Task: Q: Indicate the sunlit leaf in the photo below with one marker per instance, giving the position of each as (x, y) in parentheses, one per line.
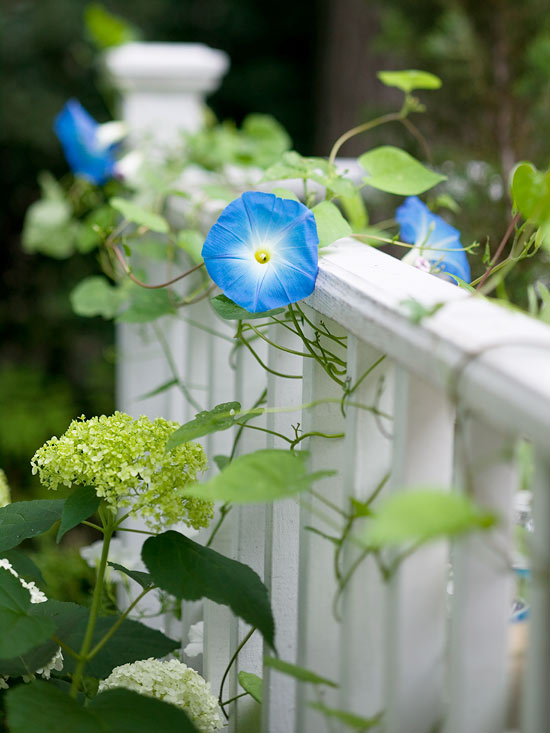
(252, 684)
(138, 215)
(331, 225)
(221, 417)
(409, 80)
(395, 171)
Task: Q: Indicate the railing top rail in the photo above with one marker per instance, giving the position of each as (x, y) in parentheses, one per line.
(496, 360)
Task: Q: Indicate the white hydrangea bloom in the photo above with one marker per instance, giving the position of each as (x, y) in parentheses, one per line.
(196, 640)
(172, 682)
(37, 596)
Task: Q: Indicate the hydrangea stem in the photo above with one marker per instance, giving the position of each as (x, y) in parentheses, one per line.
(108, 521)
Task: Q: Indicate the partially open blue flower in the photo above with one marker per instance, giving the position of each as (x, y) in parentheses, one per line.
(89, 152)
(263, 251)
(435, 241)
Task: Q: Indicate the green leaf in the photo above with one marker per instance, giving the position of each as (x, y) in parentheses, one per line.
(356, 211)
(80, 505)
(284, 193)
(531, 193)
(21, 630)
(137, 215)
(24, 519)
(50, 229)
(349, 719)
(230, 311)
(190, 571)
(417, 312)
(419, 515)
(147, 305)
(105, 29)
(144, 579)
(23, 566)
(409, 80)
(222, 461)
(395, 171)
(130, 642)
(252, 684)
(43, 707)
(331, 225)
(294, 165)
(95, 296)
(264, 475)
(29, 662)
(191, 241)
(125, 711)
(218, 418)
(299, 673)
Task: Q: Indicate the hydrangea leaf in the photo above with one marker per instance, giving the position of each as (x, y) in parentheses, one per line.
(299, 673)
(124, 710)
(21, 629)
(252, 684)
(419, 515)
(230, 311)
(221, 417)
(350, 720)
(409, 80)
(395, 171)
(23, 566)
(95, 296)
(190, 571)
(24, 519)
(80, 505)
(36, 658)
(140, 216)
(331, 225)
(130, 642)
(144, 579)
(43, 707)
(265, 475)
(531, 193)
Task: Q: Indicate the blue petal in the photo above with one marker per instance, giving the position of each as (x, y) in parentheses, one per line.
(255, 221)
(76, 131)
(419, 226)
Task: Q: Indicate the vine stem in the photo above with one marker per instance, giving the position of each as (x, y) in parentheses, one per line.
(108, 529)
(391, 117)
(500, 248)
(230, 664)
(137, 281)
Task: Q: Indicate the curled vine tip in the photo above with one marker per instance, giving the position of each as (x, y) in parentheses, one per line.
(437, 245)
(263, 251)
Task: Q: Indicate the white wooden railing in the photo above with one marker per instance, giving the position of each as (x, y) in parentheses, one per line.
(463, 386)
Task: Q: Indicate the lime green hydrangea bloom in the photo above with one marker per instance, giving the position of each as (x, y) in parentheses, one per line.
(172, 682)
(126, 461)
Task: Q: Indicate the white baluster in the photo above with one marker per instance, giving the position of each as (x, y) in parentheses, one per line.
(482, 584)
(319, 633)
(282, 541)
(536, 713)
(368, 460)
(423, 442)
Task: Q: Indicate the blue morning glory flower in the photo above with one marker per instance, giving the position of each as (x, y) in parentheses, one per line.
(263, 251)
(430, 233)
(88, 151)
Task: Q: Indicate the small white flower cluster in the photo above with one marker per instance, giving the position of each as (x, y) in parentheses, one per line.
(56, 662)
(172, 682)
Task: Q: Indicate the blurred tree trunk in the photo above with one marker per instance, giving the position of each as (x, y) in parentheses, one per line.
(347, 81)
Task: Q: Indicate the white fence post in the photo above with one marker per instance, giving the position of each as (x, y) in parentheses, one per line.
(536, 713)
(482, 584)
(282, 539)
(416, 613)
(368, 460)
